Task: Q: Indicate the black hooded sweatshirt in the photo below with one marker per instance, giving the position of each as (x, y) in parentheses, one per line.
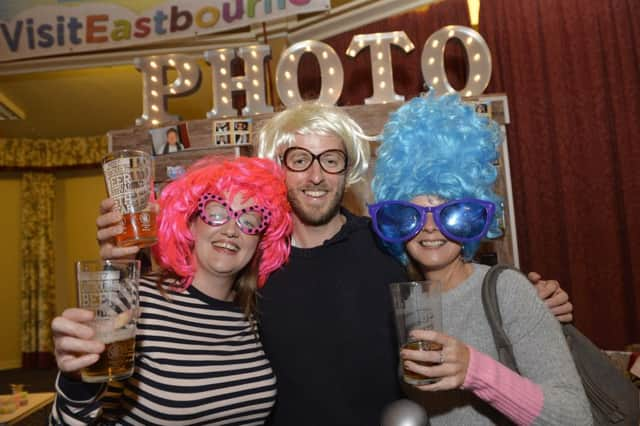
(327, 327)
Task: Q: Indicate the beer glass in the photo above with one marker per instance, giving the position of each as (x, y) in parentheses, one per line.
(417, 305)
(109, 288)
(129, 179)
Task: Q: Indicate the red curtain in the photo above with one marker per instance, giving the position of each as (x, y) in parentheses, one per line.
(572, 73)
(571, 70)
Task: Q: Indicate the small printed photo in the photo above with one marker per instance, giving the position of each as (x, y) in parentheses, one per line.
(223, 139)
(174, 172)
(483, 109)
(501, 153)
(242, 131)
(222, 126)
(502, 220)
(242, 125)
(232, 131)
(166, 140)
(222, 132)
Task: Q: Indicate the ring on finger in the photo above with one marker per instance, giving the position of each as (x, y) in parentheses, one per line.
(441, 361)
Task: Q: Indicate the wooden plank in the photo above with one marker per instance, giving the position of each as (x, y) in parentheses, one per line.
(370, 117)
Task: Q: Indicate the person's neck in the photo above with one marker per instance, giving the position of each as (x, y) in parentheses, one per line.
(220, 288)
(452, 275)
(310, 236)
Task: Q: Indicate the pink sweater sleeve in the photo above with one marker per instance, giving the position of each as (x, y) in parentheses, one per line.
(513, 395)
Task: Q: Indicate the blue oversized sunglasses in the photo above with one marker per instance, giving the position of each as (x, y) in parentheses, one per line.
(462, 220)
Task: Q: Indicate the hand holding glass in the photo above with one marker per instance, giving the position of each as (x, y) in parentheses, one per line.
(128, 175)
(417, 305)
(109, 288)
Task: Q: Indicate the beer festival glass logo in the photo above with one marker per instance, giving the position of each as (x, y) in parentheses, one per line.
(145, 219)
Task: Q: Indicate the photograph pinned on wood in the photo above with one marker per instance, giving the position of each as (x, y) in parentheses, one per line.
(232, 131)
(502, 220)
(482, 108)
(166, 140)
(174, 172)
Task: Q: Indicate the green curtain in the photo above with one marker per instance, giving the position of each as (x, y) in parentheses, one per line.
(61, 152)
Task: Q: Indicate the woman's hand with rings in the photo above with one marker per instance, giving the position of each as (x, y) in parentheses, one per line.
(449, 364)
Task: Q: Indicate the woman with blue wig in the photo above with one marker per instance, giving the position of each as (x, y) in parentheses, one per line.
(434, 195)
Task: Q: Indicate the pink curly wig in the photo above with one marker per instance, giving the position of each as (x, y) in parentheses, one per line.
(257, 178)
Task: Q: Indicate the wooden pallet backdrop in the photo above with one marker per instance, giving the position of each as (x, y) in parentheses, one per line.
(371, 118)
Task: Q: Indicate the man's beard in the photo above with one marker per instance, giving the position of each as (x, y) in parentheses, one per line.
(312, 216)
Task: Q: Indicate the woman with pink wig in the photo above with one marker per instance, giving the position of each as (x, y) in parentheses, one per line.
(223, 227)
(207, 192)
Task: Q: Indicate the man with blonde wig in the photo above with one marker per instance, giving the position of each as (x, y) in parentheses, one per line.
(325, 317)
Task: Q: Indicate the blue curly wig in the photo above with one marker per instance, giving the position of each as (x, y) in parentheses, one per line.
(438, 146)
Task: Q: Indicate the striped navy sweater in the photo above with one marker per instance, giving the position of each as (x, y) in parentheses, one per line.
(198, 362)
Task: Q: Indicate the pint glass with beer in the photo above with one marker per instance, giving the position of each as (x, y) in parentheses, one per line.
(417, 305)
(109, 288)
(129, 178)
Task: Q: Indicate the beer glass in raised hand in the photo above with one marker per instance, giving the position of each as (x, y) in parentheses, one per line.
(109, 288)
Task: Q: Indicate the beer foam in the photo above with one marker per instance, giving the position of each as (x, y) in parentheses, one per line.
(111, 335)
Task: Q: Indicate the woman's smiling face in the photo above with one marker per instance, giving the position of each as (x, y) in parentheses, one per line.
(222, 251)
(429, 248)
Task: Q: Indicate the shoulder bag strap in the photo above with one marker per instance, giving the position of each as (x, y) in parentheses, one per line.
(492, 311)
